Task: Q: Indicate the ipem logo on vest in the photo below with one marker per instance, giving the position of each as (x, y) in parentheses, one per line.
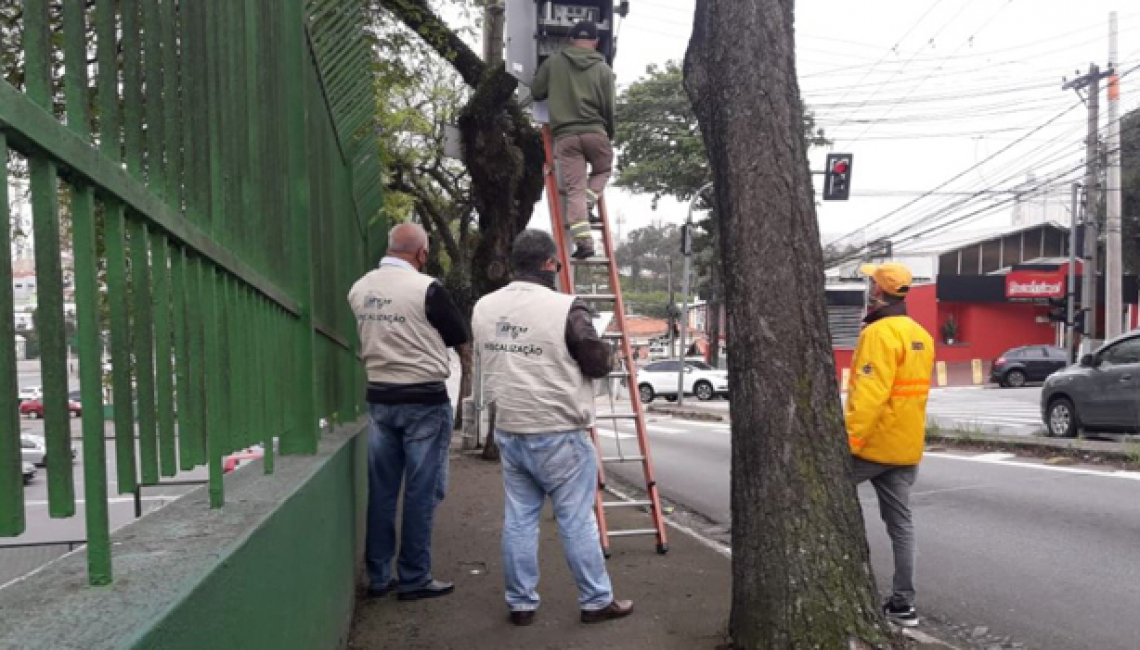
(504, 329)
(374, 311)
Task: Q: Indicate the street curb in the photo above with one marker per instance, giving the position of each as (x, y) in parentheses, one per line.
(687, 414)
(1117, 452)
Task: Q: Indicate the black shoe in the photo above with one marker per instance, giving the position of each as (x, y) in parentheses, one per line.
(523, 618)
(380, 592)
(903, 615)
(616, 609)
(583, 251)
(594, 219)
(433, 589)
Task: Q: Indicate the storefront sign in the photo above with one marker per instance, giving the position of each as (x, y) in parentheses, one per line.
(1034, 285)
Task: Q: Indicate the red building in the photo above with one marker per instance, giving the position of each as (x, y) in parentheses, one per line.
(995, 291)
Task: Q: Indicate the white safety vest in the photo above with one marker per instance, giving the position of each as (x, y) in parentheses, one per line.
(399, 344)
(537, 387)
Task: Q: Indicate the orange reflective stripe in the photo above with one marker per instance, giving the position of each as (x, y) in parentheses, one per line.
(910, 393)
(912, 382)
(857, 443)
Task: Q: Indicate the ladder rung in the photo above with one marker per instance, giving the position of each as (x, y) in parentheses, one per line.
(599, 297)
(616, 416)
(632, 532)
(622, 459)
(618, 374)
(627, 504)
(591, 261)
(613, 335)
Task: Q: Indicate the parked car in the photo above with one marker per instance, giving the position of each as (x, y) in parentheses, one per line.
(32, 392)
(33, 449)
(1019, 366)
(35, 408)
(29, 473)
(701, 379)
(1101, 393)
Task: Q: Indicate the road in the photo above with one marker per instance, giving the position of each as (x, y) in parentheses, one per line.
(986, 409)
(1045, 555)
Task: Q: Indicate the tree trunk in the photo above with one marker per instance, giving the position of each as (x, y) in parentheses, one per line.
(801, 570)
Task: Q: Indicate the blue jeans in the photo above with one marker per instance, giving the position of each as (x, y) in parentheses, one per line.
(408, 444)
(565, 467)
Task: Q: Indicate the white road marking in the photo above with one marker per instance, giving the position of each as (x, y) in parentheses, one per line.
(994, 456)
(1132, 476)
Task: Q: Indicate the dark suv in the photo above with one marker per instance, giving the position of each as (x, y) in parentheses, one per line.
(1102, 393)
(1030, 363)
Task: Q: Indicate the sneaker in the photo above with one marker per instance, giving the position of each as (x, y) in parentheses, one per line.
(433, 589)
(903, 615)
(584, 250)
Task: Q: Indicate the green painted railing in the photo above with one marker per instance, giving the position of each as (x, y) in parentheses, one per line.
(217, 163)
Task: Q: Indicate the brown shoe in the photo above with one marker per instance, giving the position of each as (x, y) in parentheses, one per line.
(522, 618)
(616, 609)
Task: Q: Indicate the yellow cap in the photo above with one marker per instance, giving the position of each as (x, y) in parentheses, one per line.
(893, 278)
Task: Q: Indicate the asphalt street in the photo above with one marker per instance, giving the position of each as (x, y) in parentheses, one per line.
(1044, 555)
(981, 409)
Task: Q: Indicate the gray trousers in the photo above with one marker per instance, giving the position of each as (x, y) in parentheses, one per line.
(892, 483)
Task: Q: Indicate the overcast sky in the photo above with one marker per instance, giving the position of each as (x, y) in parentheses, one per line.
(921, 91)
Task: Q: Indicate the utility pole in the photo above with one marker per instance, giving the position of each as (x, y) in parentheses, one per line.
(1114, 272)
(1071, 286)
(494, 19)
(1091, 81)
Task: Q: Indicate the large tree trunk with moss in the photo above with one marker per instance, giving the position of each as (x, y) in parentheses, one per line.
(801, 570)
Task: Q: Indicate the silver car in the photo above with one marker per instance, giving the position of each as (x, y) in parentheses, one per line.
(1101, 393)
(29, 472)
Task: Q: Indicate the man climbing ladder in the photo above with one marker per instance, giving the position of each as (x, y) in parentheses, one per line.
(578, 87)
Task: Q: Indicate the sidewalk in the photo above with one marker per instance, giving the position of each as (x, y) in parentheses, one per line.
(681, 600)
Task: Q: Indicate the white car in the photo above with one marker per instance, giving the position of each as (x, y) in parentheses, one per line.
(700, 379)
(29, 472)
(32, 392)
(33, 449)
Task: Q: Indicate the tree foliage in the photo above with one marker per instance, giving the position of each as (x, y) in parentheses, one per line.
(1130, 184)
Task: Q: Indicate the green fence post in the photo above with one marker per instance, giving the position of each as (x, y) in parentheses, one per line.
(12, 521)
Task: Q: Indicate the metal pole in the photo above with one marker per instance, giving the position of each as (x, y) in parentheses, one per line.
(685, 300)
(1114, 290)
(669, 311)
(1071, 290)
(1091, 155)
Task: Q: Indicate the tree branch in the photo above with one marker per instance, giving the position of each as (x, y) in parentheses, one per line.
(422, 19)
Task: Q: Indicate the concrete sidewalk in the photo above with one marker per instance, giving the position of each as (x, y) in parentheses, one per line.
(681, 600)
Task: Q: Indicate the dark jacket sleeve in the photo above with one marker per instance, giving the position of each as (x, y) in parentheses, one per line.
(594, 356)
(445, 317)
(540, 86)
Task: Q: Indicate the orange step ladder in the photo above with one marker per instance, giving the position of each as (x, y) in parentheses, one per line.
(627, 371)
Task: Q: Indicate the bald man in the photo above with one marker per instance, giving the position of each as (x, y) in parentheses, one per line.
(406, 322)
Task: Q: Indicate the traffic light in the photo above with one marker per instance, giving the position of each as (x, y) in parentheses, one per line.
(1079, 320)
(837, 180)
(1058, 310)
(687, 239)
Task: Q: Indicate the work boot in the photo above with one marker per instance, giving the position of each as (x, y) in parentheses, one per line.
(523, 617)
(616, 609)
(584, 249)
(382, 591)
(591, 207)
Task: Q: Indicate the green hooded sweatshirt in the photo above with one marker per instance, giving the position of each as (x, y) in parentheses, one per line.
(579, 89)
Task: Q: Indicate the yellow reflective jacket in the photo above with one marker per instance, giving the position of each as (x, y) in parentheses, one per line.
(886, 397)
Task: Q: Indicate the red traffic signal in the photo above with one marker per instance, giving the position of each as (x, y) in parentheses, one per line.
(837, 180)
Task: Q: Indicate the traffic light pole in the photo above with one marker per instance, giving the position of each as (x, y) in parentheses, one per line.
(688, 250)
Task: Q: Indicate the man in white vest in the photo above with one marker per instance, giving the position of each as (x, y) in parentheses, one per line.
(406, 322)
(540, 353)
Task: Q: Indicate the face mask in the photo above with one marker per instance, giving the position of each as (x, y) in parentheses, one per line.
(547, 277)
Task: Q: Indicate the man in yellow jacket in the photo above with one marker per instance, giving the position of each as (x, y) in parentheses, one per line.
(886, 417)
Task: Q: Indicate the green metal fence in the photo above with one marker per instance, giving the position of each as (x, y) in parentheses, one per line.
(217, 163)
